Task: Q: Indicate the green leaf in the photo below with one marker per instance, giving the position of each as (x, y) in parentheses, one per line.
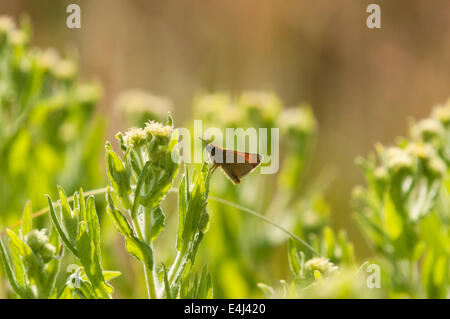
(26, 219)
(433, 235)
(268, 291)
(58, 227)
(140, 182)
(347, 249)
(434, 271)
(93, 225)
(196, 219)
(119, 176)
(107, 274)
(204, 287)
(294, 257)
(133, 160)
(19, 267)
(187, 262)
(166, 283)
(52, 267)
(70, 224)
(119, 220)
(8, 269)
(140, 250)
(85, 291)
(31, 262)
(158, 219)
(183, 198)
(88, 246)
(52, 273)
(286, 288)
(440, 271)
(330, 241)
(169, 120)
(111, 274)
(394, 224)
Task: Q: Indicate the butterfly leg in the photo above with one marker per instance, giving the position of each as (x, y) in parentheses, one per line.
(214, 168)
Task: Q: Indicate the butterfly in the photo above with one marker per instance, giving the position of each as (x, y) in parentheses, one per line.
(235, 165)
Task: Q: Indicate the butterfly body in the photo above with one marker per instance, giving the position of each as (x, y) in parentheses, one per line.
(234, 164)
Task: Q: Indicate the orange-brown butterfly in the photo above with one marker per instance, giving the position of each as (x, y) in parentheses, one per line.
(236, 165)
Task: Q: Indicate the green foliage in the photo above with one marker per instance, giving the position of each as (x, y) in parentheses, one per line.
(31, 264)
(79, 230)
(193, 221)
(48, 131)
(139, 182)
(310, 273)
(403, 209)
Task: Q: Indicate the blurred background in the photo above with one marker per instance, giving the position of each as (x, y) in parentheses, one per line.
(363, 84)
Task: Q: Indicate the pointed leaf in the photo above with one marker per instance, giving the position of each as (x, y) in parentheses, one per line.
(166, 284)
(70, 225)
(158, 219)
(8, 269)
(26, 219)
(294, 258)
(119, 220)
(140, 250)
(58, 227)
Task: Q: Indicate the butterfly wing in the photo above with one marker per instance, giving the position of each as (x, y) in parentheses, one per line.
(234, 164)
(240, 165)
(230, 173)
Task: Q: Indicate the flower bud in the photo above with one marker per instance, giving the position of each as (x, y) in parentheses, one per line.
(36, 239)
(6, 25)
(398, 159)
(48, 59)
(381, 174)
(18, 37)
(428, 157)
(154, 132)
(297, 121)
(47, 252)
(428, 130)
(436, 166)
(64, 69)
(442, 113)
(88, 94)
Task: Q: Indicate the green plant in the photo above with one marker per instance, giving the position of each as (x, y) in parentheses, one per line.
(330, 251)
(48, 131)
(79, 230)
(403, 209)
(31, 262)
(138, 184)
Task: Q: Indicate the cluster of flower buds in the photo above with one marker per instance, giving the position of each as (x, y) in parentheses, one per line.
(39, 243)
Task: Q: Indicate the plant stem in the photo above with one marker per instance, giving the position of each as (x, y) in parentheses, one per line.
(172, 271)
(265, 219)
(148, 272)
(151, 291)
(175, 266)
